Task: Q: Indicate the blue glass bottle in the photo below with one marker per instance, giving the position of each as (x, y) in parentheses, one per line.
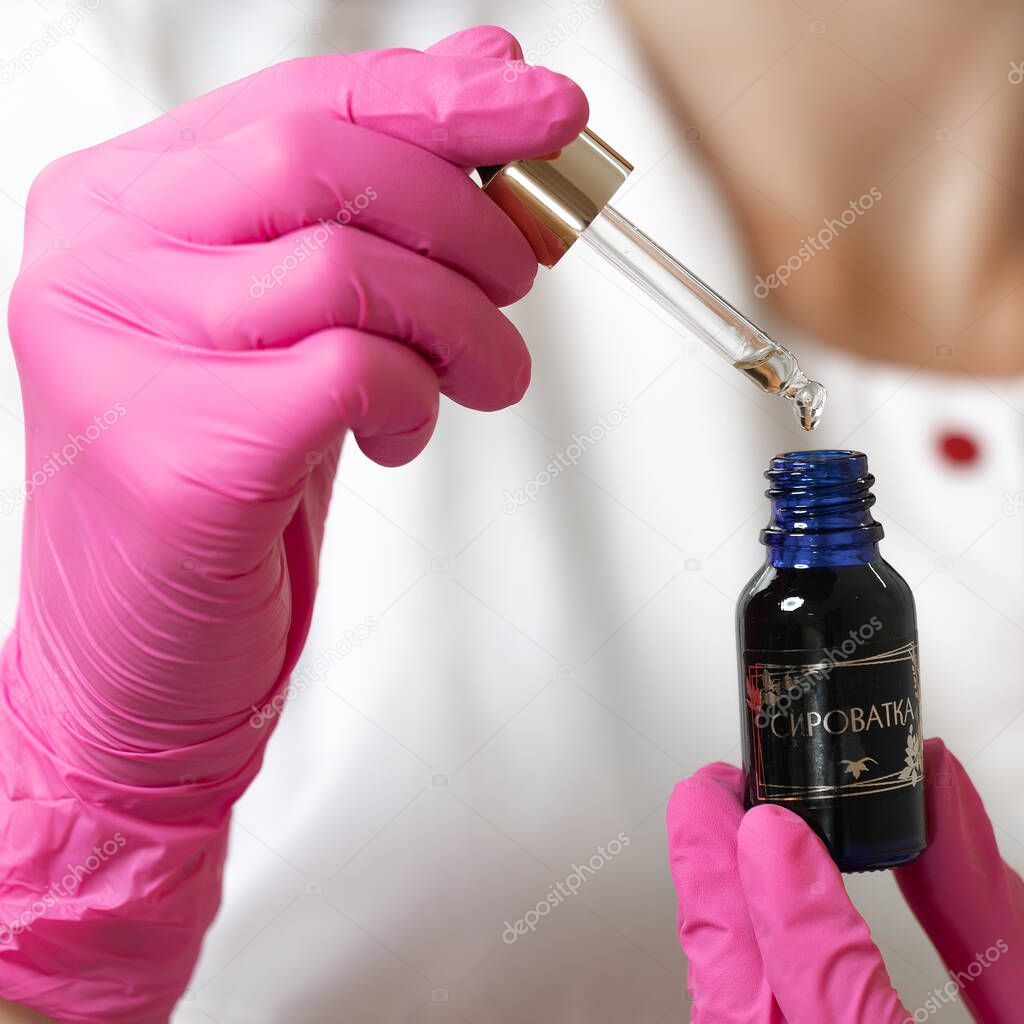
(829, 680)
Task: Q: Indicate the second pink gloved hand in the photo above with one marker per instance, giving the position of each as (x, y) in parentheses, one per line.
(206, 306)
(772, 937)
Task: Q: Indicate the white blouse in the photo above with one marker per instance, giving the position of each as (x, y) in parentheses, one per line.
(526, 637)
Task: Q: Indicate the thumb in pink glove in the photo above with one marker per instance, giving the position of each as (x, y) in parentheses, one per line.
(772, 937)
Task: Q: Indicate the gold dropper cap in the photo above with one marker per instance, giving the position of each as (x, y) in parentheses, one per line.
(553, 201)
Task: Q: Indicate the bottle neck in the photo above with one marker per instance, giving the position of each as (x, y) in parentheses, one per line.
(821, 510)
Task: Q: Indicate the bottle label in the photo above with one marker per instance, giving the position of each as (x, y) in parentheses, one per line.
(823, 725)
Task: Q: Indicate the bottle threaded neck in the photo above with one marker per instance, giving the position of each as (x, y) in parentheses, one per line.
(821, 508)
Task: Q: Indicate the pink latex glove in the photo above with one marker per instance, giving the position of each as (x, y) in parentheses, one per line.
(206, 306)
(772, 937)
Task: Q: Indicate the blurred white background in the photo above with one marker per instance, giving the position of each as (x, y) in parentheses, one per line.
(536, 679)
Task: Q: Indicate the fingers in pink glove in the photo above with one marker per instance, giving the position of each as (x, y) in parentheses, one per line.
(365, 282)
(479, 41)
(354, 280)
(277, 175)
(468, 109)
(376, 388)
(816, 948)
(726, 979)
(255, 417)
(968, 900)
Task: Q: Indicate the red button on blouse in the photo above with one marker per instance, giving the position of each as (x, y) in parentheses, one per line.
(958, 448)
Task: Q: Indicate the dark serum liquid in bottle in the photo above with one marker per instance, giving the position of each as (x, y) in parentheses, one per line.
(829, 681)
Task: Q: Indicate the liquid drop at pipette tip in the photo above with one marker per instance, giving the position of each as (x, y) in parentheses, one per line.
(808, 404)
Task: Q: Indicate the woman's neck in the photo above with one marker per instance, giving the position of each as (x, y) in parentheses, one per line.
(800, 119)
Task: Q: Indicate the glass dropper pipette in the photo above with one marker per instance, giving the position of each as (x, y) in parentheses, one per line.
(556, 201)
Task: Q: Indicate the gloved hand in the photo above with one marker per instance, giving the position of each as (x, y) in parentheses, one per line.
(772, 937)
(206, 306)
